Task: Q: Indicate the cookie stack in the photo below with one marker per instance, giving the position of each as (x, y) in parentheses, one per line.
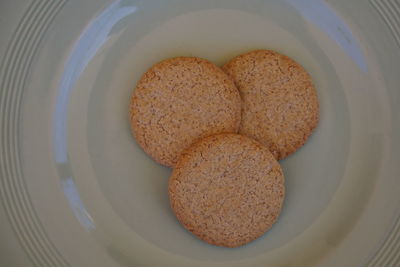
(222, 131)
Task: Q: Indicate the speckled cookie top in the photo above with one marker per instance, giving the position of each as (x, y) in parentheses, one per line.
(178, 101)
(227, 189)
(279, 102)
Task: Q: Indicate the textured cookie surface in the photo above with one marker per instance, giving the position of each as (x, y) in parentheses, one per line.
(180, 100)
(280, 106)
(227, 189)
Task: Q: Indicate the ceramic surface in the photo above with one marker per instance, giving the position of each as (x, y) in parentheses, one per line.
(76, 190)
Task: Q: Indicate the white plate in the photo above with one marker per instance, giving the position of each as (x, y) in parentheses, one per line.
(76, 190)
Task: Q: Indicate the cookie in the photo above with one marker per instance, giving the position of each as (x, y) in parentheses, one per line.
(178, 101)
(227, 189)
(279, 102)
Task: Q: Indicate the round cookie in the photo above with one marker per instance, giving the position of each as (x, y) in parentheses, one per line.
(180, 100)
(227, 189)
(279, 102)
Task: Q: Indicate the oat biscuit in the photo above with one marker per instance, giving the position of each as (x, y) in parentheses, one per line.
(279, 102)
(227, 189)
(180, 100)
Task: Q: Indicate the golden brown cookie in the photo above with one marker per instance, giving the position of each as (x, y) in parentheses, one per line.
(180, 100)
(227, 189)
(279, 102)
